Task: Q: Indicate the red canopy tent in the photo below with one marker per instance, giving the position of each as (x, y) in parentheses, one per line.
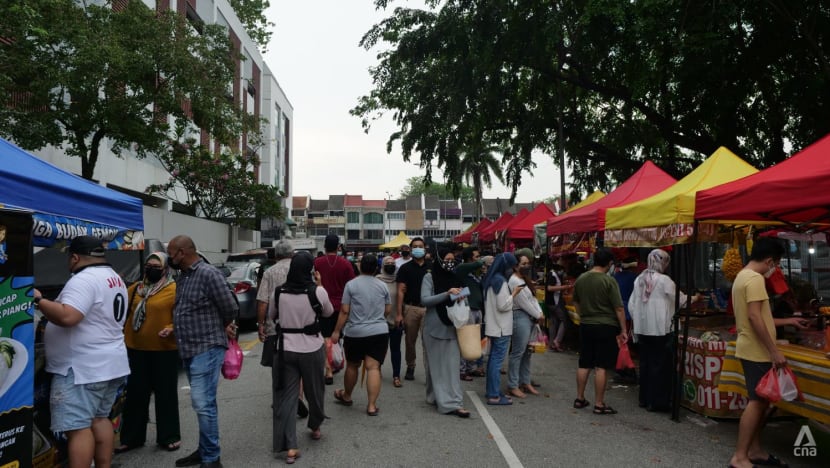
(793, 192)
(524, 229)
(520, 216)
(647, 181)
(467, 236)
(488, 234)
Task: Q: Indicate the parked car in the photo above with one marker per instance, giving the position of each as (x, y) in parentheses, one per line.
(244, 279)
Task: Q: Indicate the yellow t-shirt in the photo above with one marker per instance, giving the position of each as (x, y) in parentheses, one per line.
(749, 287)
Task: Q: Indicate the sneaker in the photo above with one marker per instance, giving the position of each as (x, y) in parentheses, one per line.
(191, 460)
(410, 373)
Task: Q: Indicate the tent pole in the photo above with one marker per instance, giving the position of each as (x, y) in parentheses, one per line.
(681, 364)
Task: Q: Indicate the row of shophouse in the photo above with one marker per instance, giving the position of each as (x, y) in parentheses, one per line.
(364, 224)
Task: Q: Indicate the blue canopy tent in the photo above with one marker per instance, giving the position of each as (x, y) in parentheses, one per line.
(64, 205)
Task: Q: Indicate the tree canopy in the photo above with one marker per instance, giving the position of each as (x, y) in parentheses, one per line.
(73, 74)
(420, 186)
(252, 15)
(665, 80)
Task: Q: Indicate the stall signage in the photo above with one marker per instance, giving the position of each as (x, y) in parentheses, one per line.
(49, 230)
(658, 236)
(16, 340)
(704, 360)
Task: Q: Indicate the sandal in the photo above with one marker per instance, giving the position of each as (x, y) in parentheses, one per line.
(605, 409)
(478, 373)
(338, 395)
(580, 403)
(373, 413)
(500, 401)
(464, 414)
(316, 434)
(529, 389)
(517, 393)
(290, 459)
(467, 377)
(126, 448)
(172, 446)
(396, 381)
(771, 460)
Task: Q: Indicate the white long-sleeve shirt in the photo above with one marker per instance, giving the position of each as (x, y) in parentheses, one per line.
(498, 309)
(653, 318)
(524, 300)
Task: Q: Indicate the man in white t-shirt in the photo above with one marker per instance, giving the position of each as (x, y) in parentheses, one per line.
(85, 351)
(405, 256)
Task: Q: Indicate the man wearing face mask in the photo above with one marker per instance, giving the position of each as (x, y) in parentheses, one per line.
(85, 351)
(203, 319)
(410, 311)
(405, 256)
(756, 347)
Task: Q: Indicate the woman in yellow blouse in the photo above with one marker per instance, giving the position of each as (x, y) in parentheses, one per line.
(154, 358)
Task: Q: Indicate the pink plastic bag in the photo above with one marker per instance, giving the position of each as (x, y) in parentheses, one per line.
(624, 360)
(232, 366)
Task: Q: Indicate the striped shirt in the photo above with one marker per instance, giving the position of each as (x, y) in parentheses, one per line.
(204, 304)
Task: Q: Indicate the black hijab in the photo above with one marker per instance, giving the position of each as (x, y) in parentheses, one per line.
(299, 279)
(443, 281)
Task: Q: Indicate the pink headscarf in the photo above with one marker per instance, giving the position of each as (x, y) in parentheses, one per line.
(658, 261)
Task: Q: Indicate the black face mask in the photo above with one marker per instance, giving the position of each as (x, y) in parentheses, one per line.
(389, 269)
(524, 270)
(153, 275)
(405, 253)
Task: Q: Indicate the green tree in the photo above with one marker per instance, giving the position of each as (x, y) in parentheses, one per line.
(476, 165)
(221, 187)
(252, 15)
(74, 74)
(665, 80)
(421, 186)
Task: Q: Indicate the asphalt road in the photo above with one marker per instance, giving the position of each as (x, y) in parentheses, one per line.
(543, 431)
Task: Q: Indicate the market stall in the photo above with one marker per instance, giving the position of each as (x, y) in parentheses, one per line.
(768, 197)
(488, 234)
(466, 237)
(396, 242)
(667, 218)
(42, 205)
(522, 231)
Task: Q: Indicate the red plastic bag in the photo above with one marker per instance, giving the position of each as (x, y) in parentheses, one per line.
(232, 366)
(624, 360)
(777, 283)
(768, 388)
(335, 356)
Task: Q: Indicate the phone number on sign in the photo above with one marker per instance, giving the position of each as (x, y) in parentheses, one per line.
(711, 398)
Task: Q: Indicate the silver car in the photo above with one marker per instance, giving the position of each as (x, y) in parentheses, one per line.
(244, 279)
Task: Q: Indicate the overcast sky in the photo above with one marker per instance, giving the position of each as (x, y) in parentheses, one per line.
(315, 56)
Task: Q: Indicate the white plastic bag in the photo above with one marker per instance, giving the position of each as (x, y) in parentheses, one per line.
(787, 385)
(459, 313)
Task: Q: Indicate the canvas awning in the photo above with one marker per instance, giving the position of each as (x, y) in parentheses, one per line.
(64, 205)
(793, 192)
(396, 242)
(488, 234)
(595, 196)
(667, 217)
(467, 236)
(647, 181)
(523, 229)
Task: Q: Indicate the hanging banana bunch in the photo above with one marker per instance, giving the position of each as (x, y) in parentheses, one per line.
(732, 262)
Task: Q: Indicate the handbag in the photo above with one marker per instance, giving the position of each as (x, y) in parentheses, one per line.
(232, 365)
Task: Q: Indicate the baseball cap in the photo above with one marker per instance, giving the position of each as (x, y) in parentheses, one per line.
(331, 242)
(87, 245)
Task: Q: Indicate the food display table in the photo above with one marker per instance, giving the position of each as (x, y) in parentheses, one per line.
(812, 369)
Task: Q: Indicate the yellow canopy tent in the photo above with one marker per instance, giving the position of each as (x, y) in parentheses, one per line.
(668, 217)
(398, 241)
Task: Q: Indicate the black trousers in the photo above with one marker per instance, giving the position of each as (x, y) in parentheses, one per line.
(655, 372)
(151, 373)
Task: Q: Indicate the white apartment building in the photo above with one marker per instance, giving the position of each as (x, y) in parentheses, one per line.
(257, 91)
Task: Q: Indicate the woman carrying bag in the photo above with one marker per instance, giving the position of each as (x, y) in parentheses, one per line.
(526, 313)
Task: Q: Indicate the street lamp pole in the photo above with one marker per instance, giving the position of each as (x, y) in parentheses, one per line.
(386, 216)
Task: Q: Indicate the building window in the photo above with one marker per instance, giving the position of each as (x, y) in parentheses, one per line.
(353, 234)
(353, 217)
(372, 218)
(397, 216)
(333, 213)
(373, 234)
(431, 215)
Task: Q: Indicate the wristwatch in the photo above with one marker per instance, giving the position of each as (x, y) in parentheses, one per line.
(37, 299)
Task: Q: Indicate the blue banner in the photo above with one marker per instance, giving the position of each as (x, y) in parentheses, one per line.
(49, 230)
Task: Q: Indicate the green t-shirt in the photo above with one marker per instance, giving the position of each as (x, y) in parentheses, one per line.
(598, 296)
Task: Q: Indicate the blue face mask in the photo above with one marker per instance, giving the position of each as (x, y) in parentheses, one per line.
(419, 252)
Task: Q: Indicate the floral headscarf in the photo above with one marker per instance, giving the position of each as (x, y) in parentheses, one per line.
(658, 261)
(146, 289)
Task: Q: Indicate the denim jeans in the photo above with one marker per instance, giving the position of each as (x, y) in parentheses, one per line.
(203, 374)
(395, 335)
(498, 350)
(518, 372)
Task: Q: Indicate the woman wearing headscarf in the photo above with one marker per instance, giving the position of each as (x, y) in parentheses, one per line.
(526, 312)
(153, 356)
(652, 306)
(498, 310)
(439, 337)
(387, 276)
(301, 356)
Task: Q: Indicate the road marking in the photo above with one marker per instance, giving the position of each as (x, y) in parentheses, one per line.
(248, 345)
(506, 451)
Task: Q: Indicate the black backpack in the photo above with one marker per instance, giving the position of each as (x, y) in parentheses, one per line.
(313, 329)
